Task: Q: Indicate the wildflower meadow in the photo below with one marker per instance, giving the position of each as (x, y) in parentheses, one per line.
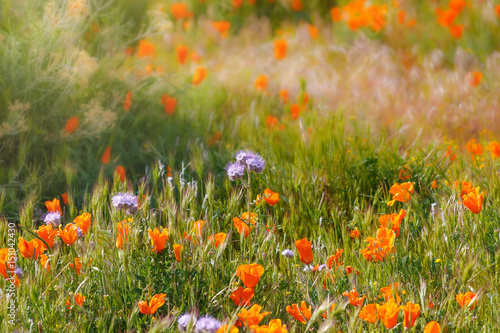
(267, 166)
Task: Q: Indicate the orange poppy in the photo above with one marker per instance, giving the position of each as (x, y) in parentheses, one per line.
(305, 251)
(47, 233)
(79, 298)
(105, 158)
(182, 53)
(432, 327)
(158, 239)
(297, 5)
(146, 49)
(8, 265)
(72, 125)
(434, 184)
(336, 14)
(122, 230)
(369, 313)
(70, 233)
(494, 148)
(225, 328)
(180, 11)
(389, 313)
(261, 82)
(295, 111)
(199, 75)
(411, 312)
(53, 206)
(274, 326)
(177, 250)
(474, 200)
(379, 248)
(313, 31)
(405, 173)
(169, 104)
(250, 274)
(284, 95)
(154, 304)
(475, 78)
(467, 300)
(302, 314)
(497, 10)
(242, 297)
(32, 249)
(64, 196)
(128, 101)
(393, 220)
(390, 293)
(77, 265)
(83, 221)
(241, 226)
(271, 197)
(222, 27)
(457, 30)
(328, 311)
(355, 233)
(464, 186)
(253, 316)
(280, 46)
(217, 239)
(400, 192)
(335, 258)
(44, 261)
(271, 122)
(450, 155)
(475, 148)
(354, 298)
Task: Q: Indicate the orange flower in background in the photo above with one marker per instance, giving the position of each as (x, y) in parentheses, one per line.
(379, 248)
(261, 82)
(494, 148)
(197, 226)
(77, 265)
(128, 101)
(280, 46)
(53, 206)
(297, 5)
(354, 298)
(47, 233)
(237, 4)
(242, 297)
(369, 313)
(434, 184)
(497, 10)
(199, 75)
(177, 250)
(180, 11)
(457, 30)
(64, 196)
(79, 298)
(336, 14)
(105, 158)
(446, 17)
(302, 314)
(44, 261)
(250, 274)
(214, 139)
(393, 220)
(328, 311)
(154, 304)
(400, 192)
(474, 200)
(83, 221)
(70, 233)
(253, 316)
(241, 226)
(405, 173)
(222, 27)
(120, 173)
(411, 312)
(72, 125)
(271, 122)
(464, 186)
(169, 104)
(355, 233)
(158, 239)
(390, 293)
(146, 49)
(32, 249)
(469, 299)
(305, 251)
(275, 326)
(335, 258)
(225, 328)
(253, 218)
(401, 17)
(182, 53)
(122, 230)
(271, 197)
(313, 31)
(450, 154)
(389, 313)
(217, 239)
(284, 96)
(475, 78)
(432, 327)
(295, 111)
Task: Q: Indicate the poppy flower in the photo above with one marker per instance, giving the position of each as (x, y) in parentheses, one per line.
(389, 313)
(457, 30)
(217, 239)
(154, 304)
(177, 250)
(335, 258)
(70, 233)
(241, 226)
(182, 53)
(64, 196)
(8, 265)
(405, 173)
(241, 296)
(354, 233)
(77, 265)
(295, 111)
(411, 312)
(280, 46)
(169, 104)
(336, 14)
(198, 225)
(464, 186)
(127, 103)
(469, 299)
(369, 313)
(284, 96)
(434, 184)
(225, 328)
(106, 156)
(475, 78)
(274, 326)
(497, 10)
(261, 82)
(400, 192)
(474, 200)
(297, 5)
(302, 314)
(328, 311)
(222, 27)
(47, 233)
(122, 233)
(271, 197)
(253, 218)
(146, 49)
(120, 173)
(392, 220)
(250, 274)
(379, 248)
(305, 251)
(200, 74)
(214, 139)
(313, 31)
(432, 327)
(494, 148)
(390, 293)
(450, 155)
(271, 122)
(32, 249)
(72, 125)
(158, 239)
(79, 298)
(53, 206)
(83, 221)
(44, 261)
(253, 316)
(354, 298)
(180, 11)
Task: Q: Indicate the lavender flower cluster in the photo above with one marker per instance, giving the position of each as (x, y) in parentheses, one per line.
(125, 201)
(245, 160)
(52, 218)
(205, 324)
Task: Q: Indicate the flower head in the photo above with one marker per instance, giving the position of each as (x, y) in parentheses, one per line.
(53, 219)
(242, 296)
(156, 302)
(302, 314)
(287, 253)
(207, 324)
(185, 321)
(250, 274)
(467, 299)
(253, 316)
(305, 250)
(125, 201)
(235, 170)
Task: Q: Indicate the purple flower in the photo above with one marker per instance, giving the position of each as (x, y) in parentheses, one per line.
(19, 272)
(79, 232)
(235, 170)
(53, 218)
(287, 253)
(207, 324)
(185, 320)
(256, 164)
(243, 155)
(125, 201)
